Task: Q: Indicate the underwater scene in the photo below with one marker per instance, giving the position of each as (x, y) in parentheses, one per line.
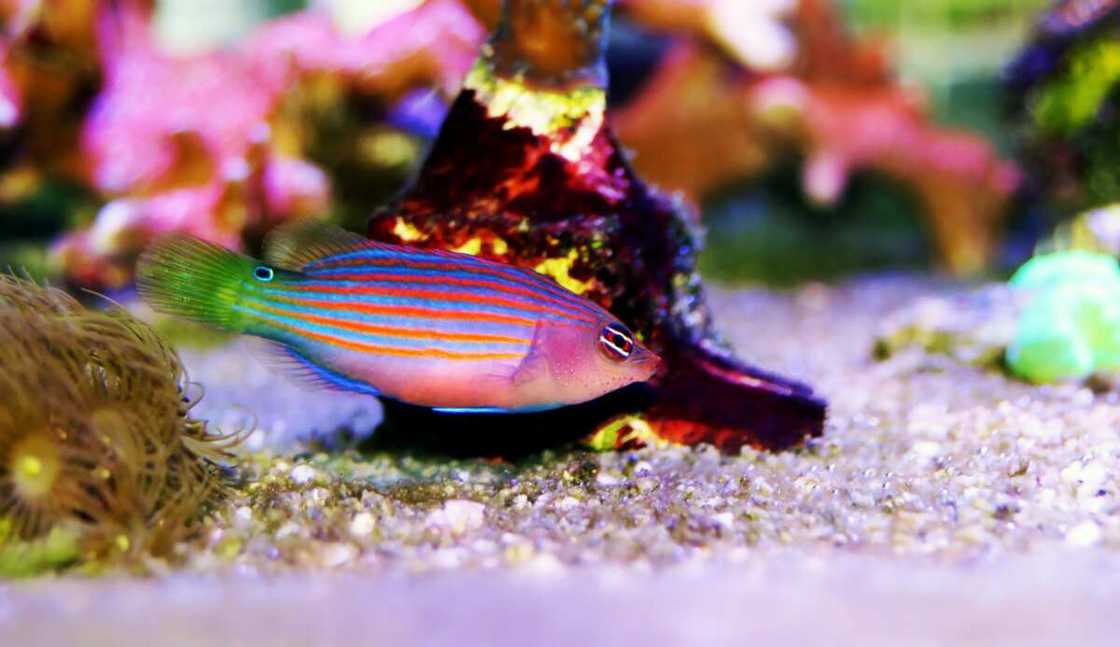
(551, 322)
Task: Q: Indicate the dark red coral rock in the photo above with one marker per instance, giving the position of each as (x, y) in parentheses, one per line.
(525, 170)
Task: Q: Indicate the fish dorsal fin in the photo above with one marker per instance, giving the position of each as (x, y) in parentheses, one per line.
(294, 245)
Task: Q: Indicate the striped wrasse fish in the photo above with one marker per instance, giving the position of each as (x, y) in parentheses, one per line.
(437, 329)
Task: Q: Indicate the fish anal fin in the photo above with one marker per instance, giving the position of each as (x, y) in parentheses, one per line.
(294, 245)
(302, 368)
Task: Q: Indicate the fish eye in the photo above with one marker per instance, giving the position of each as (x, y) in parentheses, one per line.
(616, 342)
(263, 273)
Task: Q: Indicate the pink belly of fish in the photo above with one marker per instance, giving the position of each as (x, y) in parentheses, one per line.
(436, 382)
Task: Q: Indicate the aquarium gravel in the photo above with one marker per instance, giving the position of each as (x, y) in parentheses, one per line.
(940, 490)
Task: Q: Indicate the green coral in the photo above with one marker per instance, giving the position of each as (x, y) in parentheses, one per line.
(1070, 327)
(1072, 100)
(58, 549)
(942, 15)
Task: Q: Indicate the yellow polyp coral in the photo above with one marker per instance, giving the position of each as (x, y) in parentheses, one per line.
(95, 436)
(572, 116)
(626, 431)
(472, 247)
(407, 231)
(560, 270)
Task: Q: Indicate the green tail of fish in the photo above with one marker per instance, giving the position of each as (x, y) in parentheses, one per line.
(194, 279)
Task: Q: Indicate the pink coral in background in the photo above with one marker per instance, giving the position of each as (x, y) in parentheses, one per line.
(9, 94)
(755, 34)
(154, 107)
(705, 120)
(186, 143)
(294, 186)
(435, 43)
(228, 143)
(13, 12)
(960, 179)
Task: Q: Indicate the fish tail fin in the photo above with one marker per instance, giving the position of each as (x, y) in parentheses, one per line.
(191, 278)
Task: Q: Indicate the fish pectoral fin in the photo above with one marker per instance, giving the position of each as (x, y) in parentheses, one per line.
(294, 245)
(309, 371)
(535, 364)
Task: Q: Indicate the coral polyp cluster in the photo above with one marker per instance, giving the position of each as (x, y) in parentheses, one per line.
(94, 429)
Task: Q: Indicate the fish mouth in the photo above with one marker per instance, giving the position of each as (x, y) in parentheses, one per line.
(648, 363)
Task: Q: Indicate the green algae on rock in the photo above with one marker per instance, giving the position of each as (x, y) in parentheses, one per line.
(1063, 89)
(1070, 327)
(1057, 319)
(95, 436)
(526, 170)
(57, 549)
(972, 328)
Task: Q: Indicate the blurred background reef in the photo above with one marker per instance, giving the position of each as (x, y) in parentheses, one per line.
(818, 138)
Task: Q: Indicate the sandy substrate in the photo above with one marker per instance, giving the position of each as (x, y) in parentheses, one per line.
(945, 504)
